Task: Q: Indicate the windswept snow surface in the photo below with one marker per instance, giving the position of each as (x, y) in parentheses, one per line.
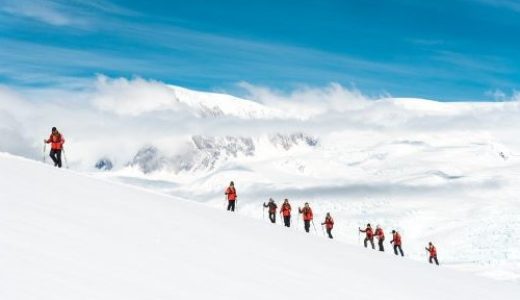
(64, 235)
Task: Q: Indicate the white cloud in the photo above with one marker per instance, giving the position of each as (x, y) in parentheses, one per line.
(133, 97)
(516, 96)
(510, 4)
(115, 117)
(44, 11)
(497, 94)
(308, 101)
(63, 13)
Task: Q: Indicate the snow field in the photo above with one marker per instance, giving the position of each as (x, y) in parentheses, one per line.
(64, 235)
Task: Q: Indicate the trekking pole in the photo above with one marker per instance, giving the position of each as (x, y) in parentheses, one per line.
(44, 146)
(263, 213)
(322, 230)
(315, 231)
(359, 236)
(65, 158)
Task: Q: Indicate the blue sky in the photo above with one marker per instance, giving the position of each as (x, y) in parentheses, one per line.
(445, 50)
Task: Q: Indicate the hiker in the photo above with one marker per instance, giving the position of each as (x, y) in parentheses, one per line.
(433, 253)
(285, 211)
(56, 140)
(329, 224)
(307, 216)
(396, 240)
(231, 196)
(380, 235)
(272, 210)
(369, 236)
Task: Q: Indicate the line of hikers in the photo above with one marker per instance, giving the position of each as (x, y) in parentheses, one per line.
(328, 223)
(56, 140)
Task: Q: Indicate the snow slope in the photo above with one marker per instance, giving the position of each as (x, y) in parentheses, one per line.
(64, 235)
(452, 187)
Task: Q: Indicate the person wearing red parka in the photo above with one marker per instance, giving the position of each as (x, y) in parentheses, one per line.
(56, 140)
(285, 211)
(306, 211)
(231, 194)
(396, 241)
(433, 253)
(329, 224)
(380, 235)
(369, 236)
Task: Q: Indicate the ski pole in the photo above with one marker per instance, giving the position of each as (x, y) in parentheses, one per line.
(44, 146)
(65, 158)
(322, 230)
(263, 213)
(315, 231)
(359, 236)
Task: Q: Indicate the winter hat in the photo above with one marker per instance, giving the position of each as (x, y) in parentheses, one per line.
(54, 129)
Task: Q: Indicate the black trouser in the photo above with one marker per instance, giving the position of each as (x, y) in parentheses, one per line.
(371, 242)
(380, 244)
(400, 250)
(434, 258)
(307, 225)
(56, 157)
(272, 217)
(287, 221)
(231, 205)
(329, 232)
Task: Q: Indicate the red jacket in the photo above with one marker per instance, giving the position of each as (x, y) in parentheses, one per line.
(285, 210)
(396, 239)
(329, 223)
(231, 193)
(307, 213)
(432, 250)
(56, 141)
(369, 232)
(379, 233)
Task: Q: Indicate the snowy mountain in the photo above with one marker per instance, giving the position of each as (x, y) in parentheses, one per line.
(65, 235)
(442, 172)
